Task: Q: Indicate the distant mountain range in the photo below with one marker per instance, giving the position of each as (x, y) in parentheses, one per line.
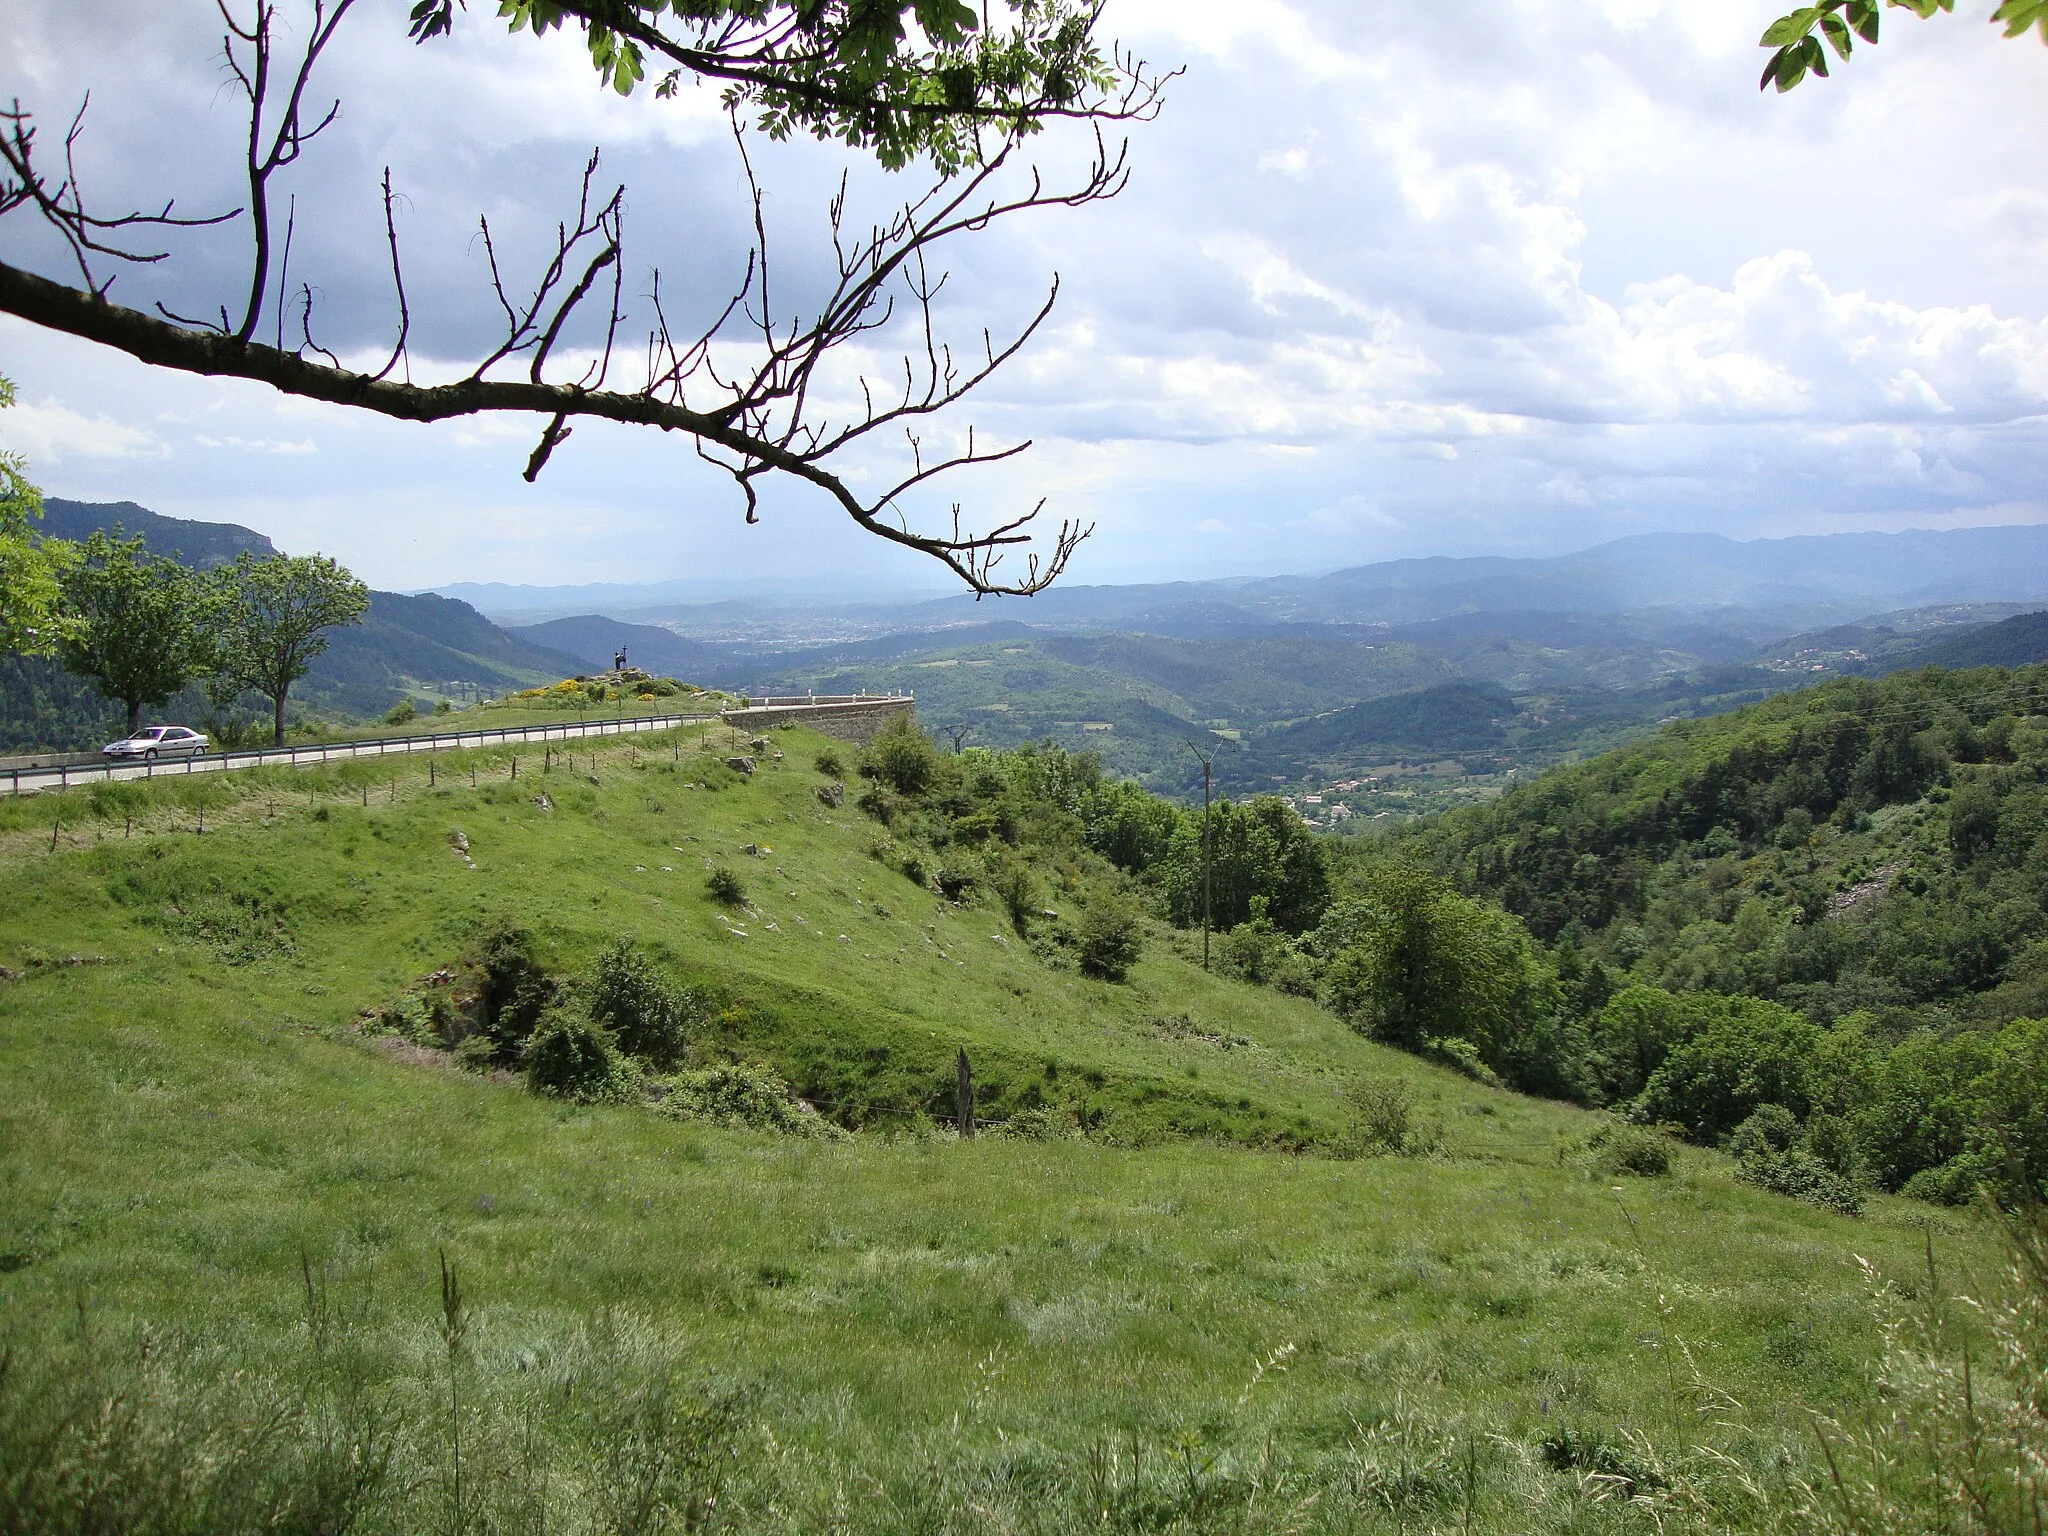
(1804, 581)
(1496, 663)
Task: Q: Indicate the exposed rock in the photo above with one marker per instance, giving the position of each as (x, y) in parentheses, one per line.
(740, 764)
(833, 795)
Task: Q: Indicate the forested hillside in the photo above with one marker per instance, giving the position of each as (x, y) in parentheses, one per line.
(1860, 845)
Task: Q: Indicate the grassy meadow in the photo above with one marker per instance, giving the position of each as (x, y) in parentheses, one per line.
(256, 1259)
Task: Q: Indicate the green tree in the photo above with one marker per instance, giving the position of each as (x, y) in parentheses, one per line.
(1412, 962)
(1797, 37)
(899, 78)
(1748, 1053)
(1258, 849)
(132, 622)
(271, 619)
(31, 566)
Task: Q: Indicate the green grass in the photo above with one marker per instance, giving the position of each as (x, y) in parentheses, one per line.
(919, 1327)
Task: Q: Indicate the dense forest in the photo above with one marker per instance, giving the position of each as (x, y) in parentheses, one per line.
(1811, 932)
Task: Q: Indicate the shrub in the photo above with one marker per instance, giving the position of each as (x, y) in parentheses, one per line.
(746, 1097)
(1633, 1149)
(829, 764)
(443, 707)
(902, 757)
(1461, 1055)
(1017, 888)
(401, 712)
(1041, 1122)
(1800, 1175)
(509, 988)
(1770, 1130)
(571, 1056)
(726, 887)
(649, 1017)
(1383, 1111)
(1111, 936)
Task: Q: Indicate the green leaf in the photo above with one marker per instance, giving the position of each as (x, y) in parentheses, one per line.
(2020, 15)
(1790, 29)
(1836, 31)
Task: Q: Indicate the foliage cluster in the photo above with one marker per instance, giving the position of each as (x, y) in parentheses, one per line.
(1876, 846)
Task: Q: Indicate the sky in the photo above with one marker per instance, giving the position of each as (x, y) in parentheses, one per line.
(1388, 280)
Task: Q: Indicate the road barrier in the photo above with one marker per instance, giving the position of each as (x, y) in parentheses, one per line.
(29, 781)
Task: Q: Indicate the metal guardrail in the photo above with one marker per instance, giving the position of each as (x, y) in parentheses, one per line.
(28, 781)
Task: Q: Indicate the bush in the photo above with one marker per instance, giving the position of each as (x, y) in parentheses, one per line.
(571, 1056)
(1770, 1130)
(1383, 1114)
(1111, 936)
(1017, 888)
(1041, 1122)
(649, 1017)
(1800, 1175)
(748, 1098)
(902, 757)
(1633, 1149)
(401, 713)
(829, 764)
(1956, 1182)
(726, 887)
(508, 989)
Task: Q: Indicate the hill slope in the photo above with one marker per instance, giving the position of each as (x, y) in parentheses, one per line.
(199, 1137)
(199, 544)
(1862, 845)
(2014, 642)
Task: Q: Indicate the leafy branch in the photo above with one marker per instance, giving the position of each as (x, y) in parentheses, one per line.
(1803, 37)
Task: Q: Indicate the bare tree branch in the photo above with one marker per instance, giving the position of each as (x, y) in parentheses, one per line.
(745, 389)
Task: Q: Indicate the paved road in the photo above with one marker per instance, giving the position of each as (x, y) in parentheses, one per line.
(27, 781)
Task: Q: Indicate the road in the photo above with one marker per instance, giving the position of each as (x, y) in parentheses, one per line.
(28, 781)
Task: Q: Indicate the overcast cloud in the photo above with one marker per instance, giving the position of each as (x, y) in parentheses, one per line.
(1389, 280)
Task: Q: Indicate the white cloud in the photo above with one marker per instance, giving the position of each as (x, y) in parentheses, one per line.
(48, 432)
(1389, 279)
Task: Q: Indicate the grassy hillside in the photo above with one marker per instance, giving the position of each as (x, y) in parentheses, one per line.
(229, 1212)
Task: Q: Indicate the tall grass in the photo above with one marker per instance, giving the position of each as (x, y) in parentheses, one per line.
(1956, 1441)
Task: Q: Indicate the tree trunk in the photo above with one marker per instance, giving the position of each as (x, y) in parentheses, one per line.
(277, 719)
(134, 716)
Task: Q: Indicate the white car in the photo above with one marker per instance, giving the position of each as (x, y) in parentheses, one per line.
(155, 741)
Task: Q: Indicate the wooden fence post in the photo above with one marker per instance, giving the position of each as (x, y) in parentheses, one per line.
(963, 1098)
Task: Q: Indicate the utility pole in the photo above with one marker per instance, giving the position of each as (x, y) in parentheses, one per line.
(1208, 762)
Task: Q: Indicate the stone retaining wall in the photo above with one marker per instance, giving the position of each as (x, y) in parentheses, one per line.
(856, 720)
